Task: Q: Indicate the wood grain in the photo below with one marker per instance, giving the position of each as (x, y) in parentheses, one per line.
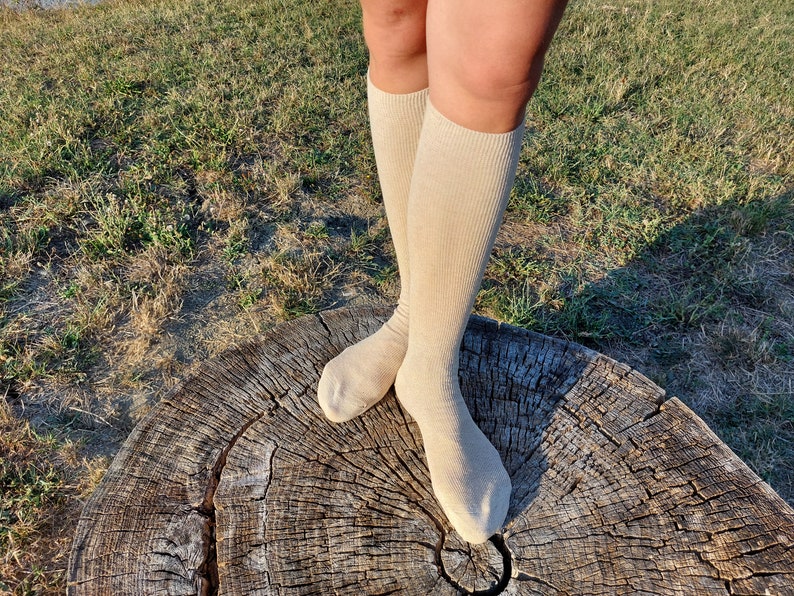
(236, 484)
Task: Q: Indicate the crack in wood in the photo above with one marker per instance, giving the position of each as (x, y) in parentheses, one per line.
(207, 571)
(507, 566)
(322, 322)
(523, 576)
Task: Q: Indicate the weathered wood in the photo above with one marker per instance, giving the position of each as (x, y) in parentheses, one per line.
(236, 484)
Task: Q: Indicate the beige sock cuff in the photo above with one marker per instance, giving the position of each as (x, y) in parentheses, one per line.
(478, 168)
(408, 107)
(501, 147)
(482, 165)
(395, 123)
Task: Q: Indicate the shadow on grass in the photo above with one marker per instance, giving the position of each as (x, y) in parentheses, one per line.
(707, 312)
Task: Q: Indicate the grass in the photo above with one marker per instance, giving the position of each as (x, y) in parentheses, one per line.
(35, 497)
(177, 177)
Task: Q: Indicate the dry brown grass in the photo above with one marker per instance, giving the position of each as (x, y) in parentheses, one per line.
(176, 178)
(43, 482)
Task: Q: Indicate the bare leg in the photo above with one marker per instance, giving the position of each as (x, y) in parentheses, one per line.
(395, 34)
(485, 58)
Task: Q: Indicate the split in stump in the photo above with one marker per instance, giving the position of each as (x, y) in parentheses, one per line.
(237, 484)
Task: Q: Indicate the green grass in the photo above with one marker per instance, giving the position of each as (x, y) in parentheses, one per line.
(179, 176)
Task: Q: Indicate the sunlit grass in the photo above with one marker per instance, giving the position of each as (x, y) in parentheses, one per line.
(179, 176)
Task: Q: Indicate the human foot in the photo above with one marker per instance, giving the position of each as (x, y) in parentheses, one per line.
(466, 471)
(360, 376)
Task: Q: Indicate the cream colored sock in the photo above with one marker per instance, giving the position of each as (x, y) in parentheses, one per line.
(461, 183)
(361, 375)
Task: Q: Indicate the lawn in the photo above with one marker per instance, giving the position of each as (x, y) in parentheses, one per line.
(177, 177)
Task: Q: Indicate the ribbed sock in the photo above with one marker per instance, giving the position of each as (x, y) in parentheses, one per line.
(461, 182)
(361, 375)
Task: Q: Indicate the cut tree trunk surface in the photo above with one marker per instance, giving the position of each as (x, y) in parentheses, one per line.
(237, 484)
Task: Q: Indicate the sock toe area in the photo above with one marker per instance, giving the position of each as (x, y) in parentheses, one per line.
(479, 518)
(475, 496)
(337, 404)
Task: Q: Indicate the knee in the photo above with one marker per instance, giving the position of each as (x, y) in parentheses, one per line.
(395, 30)
(489, 95)
(503, 79)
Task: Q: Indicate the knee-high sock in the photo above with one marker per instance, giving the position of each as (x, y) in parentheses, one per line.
(461, 183)
(361, 375)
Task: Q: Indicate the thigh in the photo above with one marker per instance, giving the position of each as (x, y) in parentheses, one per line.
(487, 56)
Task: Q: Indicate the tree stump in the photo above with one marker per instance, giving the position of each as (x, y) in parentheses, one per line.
(236, 484)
